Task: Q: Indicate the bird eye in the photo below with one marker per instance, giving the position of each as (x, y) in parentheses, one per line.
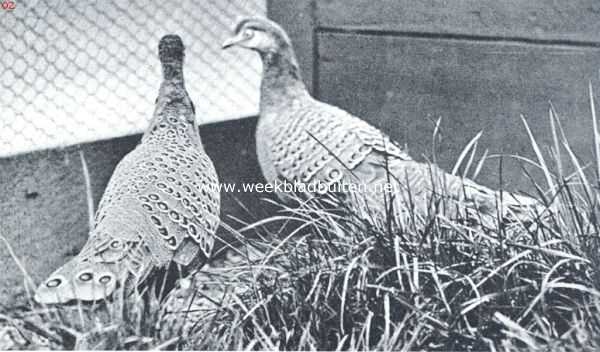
(105, 279)
(85, 277)
(115, 244)
(53, 283)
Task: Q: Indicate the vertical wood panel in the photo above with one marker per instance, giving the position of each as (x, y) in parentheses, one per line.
(403, 84)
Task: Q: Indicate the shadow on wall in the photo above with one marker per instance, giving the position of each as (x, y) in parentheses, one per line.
(43, 211)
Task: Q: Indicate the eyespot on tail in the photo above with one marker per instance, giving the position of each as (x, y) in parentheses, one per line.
(171, 48)
(78, 281)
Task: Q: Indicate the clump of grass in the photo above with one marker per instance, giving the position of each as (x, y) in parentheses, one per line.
(316, 278)
(342, 283)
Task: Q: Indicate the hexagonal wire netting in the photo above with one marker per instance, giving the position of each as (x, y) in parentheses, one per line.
(77, 71)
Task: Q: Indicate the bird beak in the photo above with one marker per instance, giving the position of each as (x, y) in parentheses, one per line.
(232, 42)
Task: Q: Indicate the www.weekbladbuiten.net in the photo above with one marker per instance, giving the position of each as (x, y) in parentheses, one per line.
(299, 187)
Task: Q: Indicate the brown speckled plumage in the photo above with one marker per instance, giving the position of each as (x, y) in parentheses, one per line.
(161, 204)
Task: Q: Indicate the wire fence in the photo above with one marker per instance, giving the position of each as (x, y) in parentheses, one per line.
(77, 71)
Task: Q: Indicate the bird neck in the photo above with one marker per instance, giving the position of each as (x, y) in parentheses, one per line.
(173, 71)
(174, 112)
(281, 80)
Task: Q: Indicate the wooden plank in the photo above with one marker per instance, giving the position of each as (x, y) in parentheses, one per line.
(403, 85)
(297, 18)
(577, 20)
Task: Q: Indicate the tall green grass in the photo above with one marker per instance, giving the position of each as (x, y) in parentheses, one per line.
(318, 276)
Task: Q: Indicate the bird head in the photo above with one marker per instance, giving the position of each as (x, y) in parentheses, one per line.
(259, 34)
(171, 50)
(102, 266)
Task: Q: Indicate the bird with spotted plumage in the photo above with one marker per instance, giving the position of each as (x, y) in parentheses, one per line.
(301, 139)
(161, 205)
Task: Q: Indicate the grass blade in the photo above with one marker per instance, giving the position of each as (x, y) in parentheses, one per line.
(596, 136)
(465, 151)
(538, 154)
(89, 196)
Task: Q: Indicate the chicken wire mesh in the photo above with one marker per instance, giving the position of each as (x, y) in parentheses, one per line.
(78, 71)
